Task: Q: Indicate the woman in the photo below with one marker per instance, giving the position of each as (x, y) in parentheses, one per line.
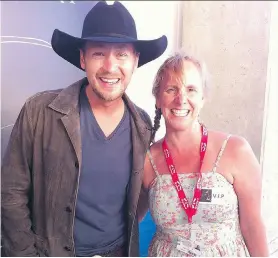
(215, 172)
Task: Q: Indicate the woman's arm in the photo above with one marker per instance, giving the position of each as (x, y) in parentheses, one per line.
(248, 187)
(143, 204)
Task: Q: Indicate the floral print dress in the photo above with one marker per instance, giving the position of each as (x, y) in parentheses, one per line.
(214, 230)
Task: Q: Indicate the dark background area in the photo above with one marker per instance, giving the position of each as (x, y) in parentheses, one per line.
(30, 65)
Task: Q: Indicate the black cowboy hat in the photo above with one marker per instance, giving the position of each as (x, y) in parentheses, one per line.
(111, 24)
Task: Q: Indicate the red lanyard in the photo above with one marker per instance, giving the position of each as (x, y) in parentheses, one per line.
(189, 209)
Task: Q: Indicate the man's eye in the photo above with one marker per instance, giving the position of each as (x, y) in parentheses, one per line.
(98, 54)
(122, 54)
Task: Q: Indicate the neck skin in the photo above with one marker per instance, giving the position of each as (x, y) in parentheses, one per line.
(184, 141)
(103, 106)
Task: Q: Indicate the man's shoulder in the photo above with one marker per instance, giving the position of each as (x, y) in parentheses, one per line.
(43, 98)
(141, 110)
(144, 115)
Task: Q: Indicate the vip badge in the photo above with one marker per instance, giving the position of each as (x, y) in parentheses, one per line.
(213, 196)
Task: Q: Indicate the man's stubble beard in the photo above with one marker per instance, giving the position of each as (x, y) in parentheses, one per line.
(106, 98)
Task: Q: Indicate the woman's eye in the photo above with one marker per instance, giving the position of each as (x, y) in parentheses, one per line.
(169, 90)
(192, 89)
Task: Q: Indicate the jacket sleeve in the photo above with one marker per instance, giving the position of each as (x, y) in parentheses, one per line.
(147, 119)
(143, 204)
(17, 236)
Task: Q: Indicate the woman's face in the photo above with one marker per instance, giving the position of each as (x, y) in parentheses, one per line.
(181, 98)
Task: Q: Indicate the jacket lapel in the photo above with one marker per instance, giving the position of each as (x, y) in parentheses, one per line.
(73, 131)
(67, 103)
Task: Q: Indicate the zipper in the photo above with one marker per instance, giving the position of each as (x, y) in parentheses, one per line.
(73, 217)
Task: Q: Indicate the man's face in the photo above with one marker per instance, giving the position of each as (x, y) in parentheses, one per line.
(109, 68)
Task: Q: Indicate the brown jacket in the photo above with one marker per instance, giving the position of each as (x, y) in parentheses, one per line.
(40, 174)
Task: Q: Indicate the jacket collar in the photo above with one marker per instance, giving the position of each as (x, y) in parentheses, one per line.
(67, 101)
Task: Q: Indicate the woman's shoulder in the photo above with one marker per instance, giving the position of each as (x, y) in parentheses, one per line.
(236, 144)
(156, 146)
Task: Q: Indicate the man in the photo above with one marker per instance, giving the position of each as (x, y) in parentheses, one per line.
(71, 176)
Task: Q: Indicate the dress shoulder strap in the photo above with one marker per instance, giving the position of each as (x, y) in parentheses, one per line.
(220, 153)
(152, 162)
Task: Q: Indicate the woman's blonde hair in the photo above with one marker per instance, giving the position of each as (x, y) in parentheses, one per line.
(174, 66)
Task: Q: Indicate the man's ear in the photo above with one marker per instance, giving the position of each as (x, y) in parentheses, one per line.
(82, 59)
(137, 55)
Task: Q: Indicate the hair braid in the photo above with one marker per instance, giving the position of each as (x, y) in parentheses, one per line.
(156, 123)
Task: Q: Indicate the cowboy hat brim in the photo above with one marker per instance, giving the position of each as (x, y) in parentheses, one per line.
(68, 47)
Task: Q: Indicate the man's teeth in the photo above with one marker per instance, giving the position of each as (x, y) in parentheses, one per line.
(110, 81)
(180, 112)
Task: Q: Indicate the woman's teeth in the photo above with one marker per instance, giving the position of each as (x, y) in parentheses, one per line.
(110, 81)
(180, 112)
